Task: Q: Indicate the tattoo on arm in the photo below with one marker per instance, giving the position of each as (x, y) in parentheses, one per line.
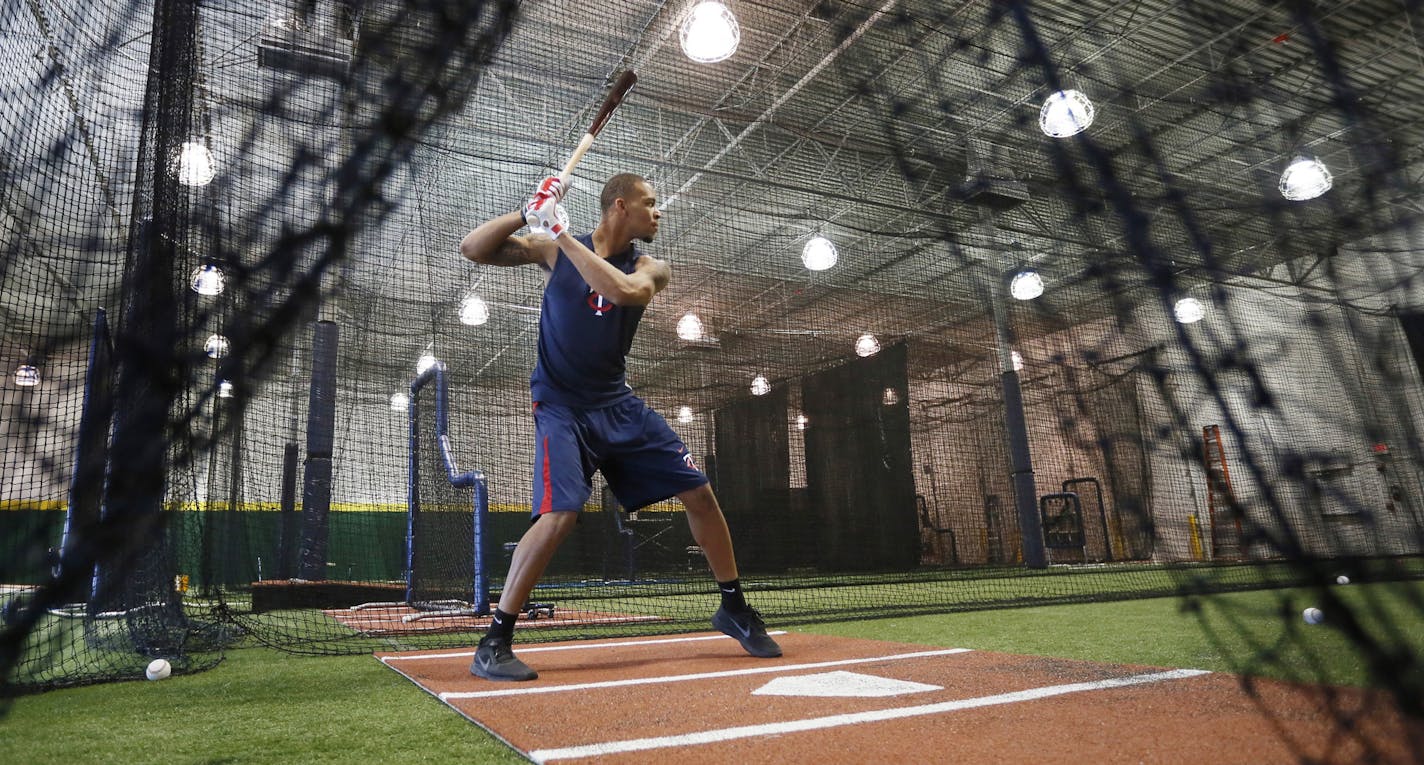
(515, 251)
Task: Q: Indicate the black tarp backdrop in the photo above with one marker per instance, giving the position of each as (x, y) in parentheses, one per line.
(1413, 324)
(859, 471)
(753, 479)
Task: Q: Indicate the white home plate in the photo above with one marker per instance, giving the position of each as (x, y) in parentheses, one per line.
(840, 684)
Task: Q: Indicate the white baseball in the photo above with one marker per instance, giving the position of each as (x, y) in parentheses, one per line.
(158, 669)
(1342, 579)
(1312, 615)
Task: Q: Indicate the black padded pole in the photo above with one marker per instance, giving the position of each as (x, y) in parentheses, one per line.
(288, 523)
(233, 529)
(321, 434)
(1021, 465)
(77, 548)
(1020, 458)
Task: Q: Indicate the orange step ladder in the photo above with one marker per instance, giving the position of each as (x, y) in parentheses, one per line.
(1223, 514)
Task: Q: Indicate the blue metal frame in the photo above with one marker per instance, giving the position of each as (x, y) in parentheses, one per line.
(473, 479)
(87, 420)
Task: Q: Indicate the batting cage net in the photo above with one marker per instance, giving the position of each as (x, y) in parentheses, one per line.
(972, 305)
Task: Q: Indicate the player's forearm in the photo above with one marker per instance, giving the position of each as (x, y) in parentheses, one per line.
(603, 277)
(482, 244)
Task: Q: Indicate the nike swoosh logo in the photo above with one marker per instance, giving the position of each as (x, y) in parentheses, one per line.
(729, 591)
(745, 632)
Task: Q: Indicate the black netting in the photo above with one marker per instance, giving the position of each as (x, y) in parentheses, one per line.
(1218, 388)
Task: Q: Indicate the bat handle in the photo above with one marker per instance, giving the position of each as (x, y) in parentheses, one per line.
(576, 156)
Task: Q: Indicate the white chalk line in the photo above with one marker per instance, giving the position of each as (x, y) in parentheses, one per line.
(574, 647)
(659, 680)
(834, 721)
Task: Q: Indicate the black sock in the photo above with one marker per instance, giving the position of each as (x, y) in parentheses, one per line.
(502, 625)
(732, 597)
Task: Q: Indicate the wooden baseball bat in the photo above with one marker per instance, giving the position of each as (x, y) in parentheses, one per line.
(615, 96)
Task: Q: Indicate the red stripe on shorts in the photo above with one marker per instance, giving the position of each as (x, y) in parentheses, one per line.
(547, 503)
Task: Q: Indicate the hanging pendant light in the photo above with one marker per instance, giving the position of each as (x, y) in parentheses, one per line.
(1026, 285)
(819, 254)
(710, 33)
(1189, 310)
(866, 345)
(1065, 113)
(1305, 178)
(195, 164)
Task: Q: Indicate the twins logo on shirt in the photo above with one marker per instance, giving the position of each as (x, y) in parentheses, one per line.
(598, 303)
(687, 458)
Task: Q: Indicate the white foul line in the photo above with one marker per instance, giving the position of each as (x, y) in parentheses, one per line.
(696, 676)
(574, 647)
(833, 721)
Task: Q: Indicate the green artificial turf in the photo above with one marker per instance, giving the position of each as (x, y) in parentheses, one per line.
(257, 706)
(1258, 633)
(261, 705)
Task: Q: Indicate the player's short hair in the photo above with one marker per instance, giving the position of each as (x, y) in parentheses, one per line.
(618, 187)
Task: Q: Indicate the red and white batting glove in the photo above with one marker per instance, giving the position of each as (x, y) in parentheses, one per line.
(553, 186)
(546, 216)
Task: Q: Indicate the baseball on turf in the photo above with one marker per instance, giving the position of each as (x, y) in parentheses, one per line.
(1312, 615)
(1342, 579)
(158, 669)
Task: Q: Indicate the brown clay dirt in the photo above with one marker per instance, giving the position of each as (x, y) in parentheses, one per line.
(631, 701)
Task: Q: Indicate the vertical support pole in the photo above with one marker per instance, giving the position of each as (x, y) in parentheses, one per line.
(413, 492)
(481, 583)
(1020, 459)
(230, 567)
(86, 486)
(287, 522)
(321, 436)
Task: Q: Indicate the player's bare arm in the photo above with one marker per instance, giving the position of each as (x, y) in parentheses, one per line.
(649, 276)
(494, 243)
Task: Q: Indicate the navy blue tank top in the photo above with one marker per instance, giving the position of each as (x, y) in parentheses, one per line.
(583, 338)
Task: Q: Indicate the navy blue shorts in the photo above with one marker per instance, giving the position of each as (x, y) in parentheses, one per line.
(641, 457)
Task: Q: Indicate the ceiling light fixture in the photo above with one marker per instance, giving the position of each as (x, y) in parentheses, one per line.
(208, 280)
(760, 386)
(225, 389)
(473, 310)
(689, 327)
(1026, 285)
(866, 345)
(1305, 178)
(1189, 310)
(710, 33)
(1065, 113)
(195, 164)
(684, 414)
(27, 376)
(399, 402)
(819, 254)
(216, 346)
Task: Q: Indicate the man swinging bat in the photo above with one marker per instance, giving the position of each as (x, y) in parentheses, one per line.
(586, 417)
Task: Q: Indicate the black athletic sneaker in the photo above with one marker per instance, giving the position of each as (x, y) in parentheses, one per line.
(749, 630)
(495, 660)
